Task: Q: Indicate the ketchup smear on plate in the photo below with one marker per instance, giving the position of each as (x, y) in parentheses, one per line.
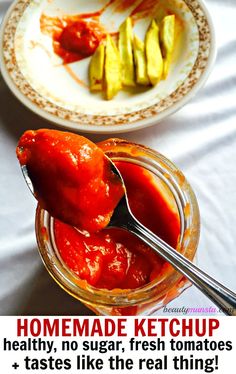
(77, 36)
(74, 37)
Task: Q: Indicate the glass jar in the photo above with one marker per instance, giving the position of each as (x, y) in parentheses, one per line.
(147, 299)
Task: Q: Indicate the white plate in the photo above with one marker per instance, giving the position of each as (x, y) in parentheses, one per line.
(40, 80)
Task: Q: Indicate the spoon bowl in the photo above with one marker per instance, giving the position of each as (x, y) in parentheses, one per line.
(27, 178)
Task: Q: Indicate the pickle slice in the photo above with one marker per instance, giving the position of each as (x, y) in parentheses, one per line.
(140, 61)
(126, 53)
(112, 69)
(96, 69)
(167, 37)
(153, 52)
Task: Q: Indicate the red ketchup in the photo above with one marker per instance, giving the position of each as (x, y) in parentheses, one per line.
(71, 176)
(74, 37)
(78, 40)
(81, 37)
(74, 183)
(114, 258)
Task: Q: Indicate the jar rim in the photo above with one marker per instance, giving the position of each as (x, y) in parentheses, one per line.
(119, 149)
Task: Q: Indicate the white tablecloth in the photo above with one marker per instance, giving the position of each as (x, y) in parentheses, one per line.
(200, 139)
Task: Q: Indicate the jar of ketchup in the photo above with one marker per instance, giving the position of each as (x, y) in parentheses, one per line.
(163, 200)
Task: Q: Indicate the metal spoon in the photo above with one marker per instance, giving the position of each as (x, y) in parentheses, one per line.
(123, 218)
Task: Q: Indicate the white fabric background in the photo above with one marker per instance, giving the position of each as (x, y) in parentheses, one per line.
(200, 139)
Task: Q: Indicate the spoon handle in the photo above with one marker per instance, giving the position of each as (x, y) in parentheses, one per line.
(224, 298)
